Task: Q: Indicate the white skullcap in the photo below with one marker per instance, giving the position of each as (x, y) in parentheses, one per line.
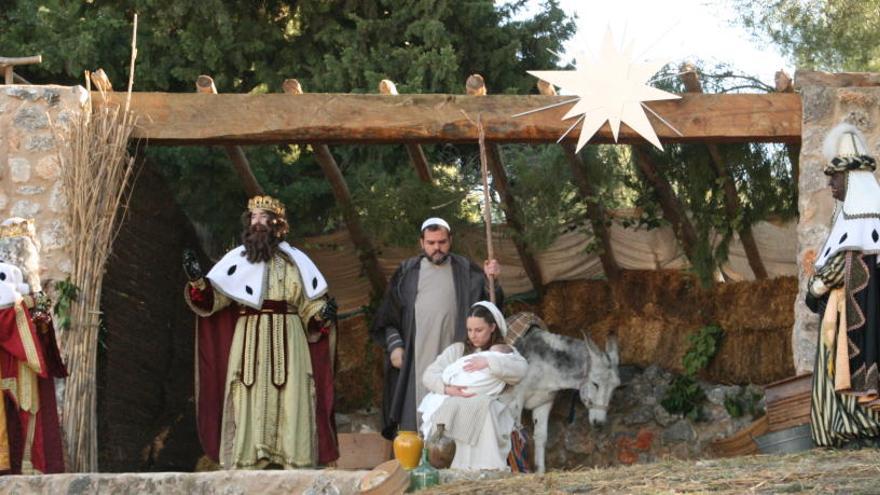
(496, 314)
(435, 221)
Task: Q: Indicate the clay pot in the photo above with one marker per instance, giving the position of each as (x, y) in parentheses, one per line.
(407, 449)
(441, 449)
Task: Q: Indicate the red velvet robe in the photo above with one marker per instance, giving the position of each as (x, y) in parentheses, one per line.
(43, 454)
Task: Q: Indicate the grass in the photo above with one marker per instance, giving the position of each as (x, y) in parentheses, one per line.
(816, 471)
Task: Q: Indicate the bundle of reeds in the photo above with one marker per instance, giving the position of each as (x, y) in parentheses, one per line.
(97, 171)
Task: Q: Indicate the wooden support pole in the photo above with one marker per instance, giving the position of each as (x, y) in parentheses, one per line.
(8, 63)
(673, 211)
(359, 237)
(595, 212)
(732, 205)
(205, 84)
(415, 151)
(475, 86)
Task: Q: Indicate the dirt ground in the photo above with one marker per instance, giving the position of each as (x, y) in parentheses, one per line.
(816, 471)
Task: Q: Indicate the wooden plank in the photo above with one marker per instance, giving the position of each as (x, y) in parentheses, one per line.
(788, 387)
(182, 118)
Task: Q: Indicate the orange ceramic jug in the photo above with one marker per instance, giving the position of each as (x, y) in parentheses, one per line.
(407, 449)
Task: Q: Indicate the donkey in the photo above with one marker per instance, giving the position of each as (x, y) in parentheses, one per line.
(557, 363)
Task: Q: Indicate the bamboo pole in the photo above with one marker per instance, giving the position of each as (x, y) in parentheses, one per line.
(487, 204)
(97, 173)
(476, 86)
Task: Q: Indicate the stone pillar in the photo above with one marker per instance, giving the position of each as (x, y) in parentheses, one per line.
(30, 172)
(828, 99)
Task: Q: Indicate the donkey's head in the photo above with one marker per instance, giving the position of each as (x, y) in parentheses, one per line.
(602, 377)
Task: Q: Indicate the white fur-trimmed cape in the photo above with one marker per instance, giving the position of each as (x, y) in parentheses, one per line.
(245, 282)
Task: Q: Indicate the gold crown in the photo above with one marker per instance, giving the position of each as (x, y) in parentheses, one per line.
(267, 203)
(18, 228)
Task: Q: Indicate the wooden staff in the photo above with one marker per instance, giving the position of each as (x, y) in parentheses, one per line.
(487, 204)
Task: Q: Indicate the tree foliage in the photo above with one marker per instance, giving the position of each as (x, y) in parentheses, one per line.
(832, 35)
(425, 46)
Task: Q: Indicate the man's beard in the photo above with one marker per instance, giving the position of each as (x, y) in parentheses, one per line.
(259, 242)
(438, 258)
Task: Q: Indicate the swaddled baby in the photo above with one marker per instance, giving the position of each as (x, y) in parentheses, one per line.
(480, 382)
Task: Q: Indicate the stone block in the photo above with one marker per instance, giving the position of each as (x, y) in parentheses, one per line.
(54, 236)
(305, 481)
(65, 265)
(39, 142)
(31, 190)
(31, 118)
(680, 431)
(25, 209)
(48, 167)
(22, 93)
(19, 169)
(57, 198)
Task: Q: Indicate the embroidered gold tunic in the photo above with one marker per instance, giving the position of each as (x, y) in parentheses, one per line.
(269, 399)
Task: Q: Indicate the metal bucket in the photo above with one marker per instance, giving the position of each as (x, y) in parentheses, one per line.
(787, 441)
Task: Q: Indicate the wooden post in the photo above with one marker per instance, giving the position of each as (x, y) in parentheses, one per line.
(475, 86)
(359, 237)
(673, 211)
(8, 63)
(595, 212)
(100, 81)
(205, 84)
(732, 205)
(415, 151)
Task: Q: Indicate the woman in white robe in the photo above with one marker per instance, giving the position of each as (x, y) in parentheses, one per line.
(479, 424)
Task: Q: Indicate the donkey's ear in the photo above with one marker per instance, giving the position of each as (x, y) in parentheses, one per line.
(612, 350)
(591, 346)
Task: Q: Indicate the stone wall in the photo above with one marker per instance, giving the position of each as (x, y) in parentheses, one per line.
(828, 99)
(30, 172)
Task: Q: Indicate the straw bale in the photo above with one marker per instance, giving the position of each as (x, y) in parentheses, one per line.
(653, 312)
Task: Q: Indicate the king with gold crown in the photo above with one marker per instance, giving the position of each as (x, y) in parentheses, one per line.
(265, 341)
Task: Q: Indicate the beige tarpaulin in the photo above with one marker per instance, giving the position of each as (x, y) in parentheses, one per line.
(566, 259)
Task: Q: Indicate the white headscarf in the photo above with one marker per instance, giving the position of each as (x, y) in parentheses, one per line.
(496, 314)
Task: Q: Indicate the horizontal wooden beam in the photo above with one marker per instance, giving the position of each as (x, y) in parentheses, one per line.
(181, 118)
